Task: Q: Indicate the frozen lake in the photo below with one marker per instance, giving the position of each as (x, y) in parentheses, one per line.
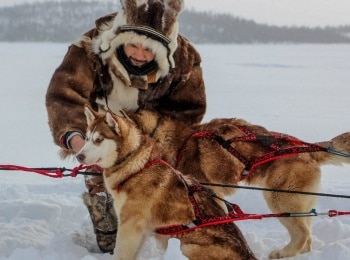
(302, 90)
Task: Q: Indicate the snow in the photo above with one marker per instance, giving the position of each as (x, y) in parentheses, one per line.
(301, 90)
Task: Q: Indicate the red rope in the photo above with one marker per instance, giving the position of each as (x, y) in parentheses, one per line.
(54, 173)
(49, 172)
(236, 215)
(178, 229)
(333, 213)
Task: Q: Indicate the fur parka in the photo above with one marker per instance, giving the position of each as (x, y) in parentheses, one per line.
(90, 72)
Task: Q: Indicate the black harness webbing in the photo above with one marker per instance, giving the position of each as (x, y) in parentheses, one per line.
(273, 142)
(234, 212)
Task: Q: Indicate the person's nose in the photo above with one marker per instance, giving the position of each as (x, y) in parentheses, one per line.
(139, 55)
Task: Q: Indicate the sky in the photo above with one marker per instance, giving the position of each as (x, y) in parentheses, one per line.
(282, 12)
(310, 13)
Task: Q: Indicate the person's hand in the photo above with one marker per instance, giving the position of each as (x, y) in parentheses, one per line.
(77, 142)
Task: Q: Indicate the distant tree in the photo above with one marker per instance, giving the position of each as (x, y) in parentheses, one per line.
(64, 21)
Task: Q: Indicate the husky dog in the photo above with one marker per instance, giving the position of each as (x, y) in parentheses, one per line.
(149, 194)
(208, 160)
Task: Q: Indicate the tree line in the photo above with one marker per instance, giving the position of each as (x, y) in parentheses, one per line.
(64, 21)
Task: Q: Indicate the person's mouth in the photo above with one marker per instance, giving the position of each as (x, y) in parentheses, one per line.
(136, 62)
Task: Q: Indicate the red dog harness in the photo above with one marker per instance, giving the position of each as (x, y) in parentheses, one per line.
(296, 146)
(234, 212)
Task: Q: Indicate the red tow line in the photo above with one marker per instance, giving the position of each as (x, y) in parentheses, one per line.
(50, 172)
(235, 213)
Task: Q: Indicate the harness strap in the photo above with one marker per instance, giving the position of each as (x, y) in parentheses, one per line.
(201, 222)
(237, 215)
(291, 151)
(278, 152)
(192, 199)
(191, 189)
(234, 211)
(234, 214)
(148, 164)
(227, 145)
(297, 147)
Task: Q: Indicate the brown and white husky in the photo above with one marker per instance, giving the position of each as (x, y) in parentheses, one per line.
(149, 194)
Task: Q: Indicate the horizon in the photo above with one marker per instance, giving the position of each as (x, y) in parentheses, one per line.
(313, 13)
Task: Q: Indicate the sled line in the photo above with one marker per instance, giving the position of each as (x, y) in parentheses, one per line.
(331, 150)
(238, 215)
(235, 215)
(53, 172)
(59, 172)
(276, 190)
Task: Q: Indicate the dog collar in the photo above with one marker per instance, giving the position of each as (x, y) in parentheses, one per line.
(149, 164)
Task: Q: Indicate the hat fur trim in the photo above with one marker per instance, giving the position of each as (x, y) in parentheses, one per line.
(111, 37)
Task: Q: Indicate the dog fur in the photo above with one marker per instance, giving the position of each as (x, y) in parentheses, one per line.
(146, 198)
(208, 161)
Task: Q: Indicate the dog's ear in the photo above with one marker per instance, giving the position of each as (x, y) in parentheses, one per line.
(112, 122)
(89, 114)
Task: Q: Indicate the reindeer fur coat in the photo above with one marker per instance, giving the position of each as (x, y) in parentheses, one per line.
(91, 73)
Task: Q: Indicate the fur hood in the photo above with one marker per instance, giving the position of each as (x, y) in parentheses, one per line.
(91, 73)
(150, 22)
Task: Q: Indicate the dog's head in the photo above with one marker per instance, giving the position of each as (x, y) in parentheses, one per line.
(109, 139)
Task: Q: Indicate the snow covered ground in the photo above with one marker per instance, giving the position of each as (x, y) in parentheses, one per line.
(302, 90)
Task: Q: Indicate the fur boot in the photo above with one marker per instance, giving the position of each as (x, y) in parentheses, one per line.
(100, 206)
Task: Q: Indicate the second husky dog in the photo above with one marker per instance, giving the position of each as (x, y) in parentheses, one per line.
(149, 194)
(207, 157)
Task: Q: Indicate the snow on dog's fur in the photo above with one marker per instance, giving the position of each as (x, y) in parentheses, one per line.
(153, 196)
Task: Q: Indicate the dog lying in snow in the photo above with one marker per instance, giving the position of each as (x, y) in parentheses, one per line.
(149, 194)
(208, 160)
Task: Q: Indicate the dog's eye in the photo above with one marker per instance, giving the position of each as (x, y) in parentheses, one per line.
(98, 140)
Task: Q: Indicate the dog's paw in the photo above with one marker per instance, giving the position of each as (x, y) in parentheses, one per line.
(281, 253)
(276, 254)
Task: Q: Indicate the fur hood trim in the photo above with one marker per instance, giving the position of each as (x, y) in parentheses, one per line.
(153, 23)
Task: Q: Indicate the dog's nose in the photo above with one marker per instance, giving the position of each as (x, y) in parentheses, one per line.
(80, 157)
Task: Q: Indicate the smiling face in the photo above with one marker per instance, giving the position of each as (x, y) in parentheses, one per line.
(137, 54)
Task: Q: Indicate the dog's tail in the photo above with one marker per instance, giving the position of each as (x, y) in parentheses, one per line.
(339, 150)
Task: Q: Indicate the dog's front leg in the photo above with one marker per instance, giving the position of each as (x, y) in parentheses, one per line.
(162, 242)
(130, 238)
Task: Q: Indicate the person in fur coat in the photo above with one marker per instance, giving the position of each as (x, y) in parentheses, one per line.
(133, 59)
